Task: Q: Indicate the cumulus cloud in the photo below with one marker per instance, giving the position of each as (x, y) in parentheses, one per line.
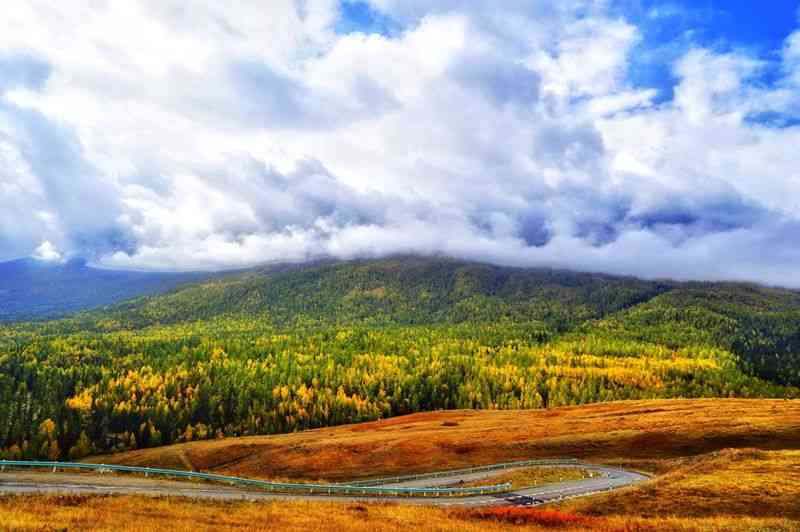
(47, 252)
(148, 135)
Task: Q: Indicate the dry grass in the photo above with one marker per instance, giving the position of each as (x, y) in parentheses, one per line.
(103, 513)
(649, 435)
(723, 465)
(137, 513)
(734, 482)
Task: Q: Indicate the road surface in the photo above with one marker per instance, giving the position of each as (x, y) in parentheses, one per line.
(24, 482)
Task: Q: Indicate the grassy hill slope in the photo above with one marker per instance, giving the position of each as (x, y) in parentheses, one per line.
(647, 435)
(720, 465)
(717, 465)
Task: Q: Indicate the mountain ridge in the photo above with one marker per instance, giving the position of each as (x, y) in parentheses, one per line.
(759, 324)
(32, 289)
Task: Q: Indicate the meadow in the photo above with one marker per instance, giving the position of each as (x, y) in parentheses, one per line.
(653, 436)
(718, 465)
(107, 513)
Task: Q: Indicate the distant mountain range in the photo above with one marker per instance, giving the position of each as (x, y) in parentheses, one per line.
(34, 289)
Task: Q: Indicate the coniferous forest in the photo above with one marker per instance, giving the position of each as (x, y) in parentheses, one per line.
(287, 348)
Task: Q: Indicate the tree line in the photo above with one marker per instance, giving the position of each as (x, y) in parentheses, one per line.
(70, 394)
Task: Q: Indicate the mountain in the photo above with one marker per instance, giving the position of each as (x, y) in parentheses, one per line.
(291, 347)
(399, 290)
(761, 325)
(33, 289)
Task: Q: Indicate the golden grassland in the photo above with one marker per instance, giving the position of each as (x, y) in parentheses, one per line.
(133, 513)
(650, 435)
(533, 476)
(719, 465)
(733, 482)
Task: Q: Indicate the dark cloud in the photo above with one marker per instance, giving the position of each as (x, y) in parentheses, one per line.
(695, 216)
(54, 194)
(302, 198)
(83, 198)
(533, 230)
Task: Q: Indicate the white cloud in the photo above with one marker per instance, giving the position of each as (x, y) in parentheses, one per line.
(47, 252)
(148, 135)
(791, 58)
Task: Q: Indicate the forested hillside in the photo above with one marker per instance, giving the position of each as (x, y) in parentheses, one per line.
(760, 325)
(294, 347)
(403, 290)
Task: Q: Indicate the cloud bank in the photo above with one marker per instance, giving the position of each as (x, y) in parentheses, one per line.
(145, 134)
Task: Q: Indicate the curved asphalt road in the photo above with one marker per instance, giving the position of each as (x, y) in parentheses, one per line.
(604, 479)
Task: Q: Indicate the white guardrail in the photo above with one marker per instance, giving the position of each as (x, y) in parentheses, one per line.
(277, 487)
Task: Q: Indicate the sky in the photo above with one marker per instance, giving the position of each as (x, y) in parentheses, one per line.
(656, 139)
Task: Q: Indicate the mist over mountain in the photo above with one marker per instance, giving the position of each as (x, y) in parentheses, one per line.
(614, 136)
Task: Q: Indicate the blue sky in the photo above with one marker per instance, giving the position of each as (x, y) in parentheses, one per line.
(359, 16)
(668, 29)
(762, 25)
(629, 136)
